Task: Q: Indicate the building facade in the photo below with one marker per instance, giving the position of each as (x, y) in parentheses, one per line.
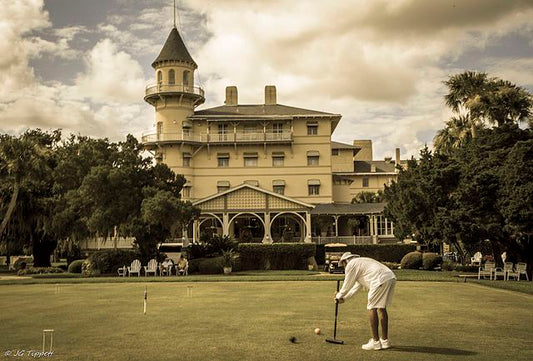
(262, 172)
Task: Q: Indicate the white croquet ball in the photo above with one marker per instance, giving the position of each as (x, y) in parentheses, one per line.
(317, 331)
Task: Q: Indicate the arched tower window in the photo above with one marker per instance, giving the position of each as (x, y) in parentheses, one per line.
(171, 77)
(159, 77)
(186, 78)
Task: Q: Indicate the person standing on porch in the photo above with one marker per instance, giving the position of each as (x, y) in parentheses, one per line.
(380, 282)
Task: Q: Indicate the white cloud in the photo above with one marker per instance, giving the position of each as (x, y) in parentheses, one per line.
(110, 76)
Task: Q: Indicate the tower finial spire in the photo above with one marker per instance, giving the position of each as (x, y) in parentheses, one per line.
(174, 8)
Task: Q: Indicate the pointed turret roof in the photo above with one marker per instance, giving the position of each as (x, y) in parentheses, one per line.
(174, 49)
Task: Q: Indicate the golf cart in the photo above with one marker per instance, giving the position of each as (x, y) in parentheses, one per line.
(332, 257)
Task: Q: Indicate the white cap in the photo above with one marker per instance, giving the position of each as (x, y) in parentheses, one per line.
(346, 256)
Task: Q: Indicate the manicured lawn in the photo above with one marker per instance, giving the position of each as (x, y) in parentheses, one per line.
(254, 321)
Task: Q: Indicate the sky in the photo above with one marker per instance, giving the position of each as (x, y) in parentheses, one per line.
(83, 66)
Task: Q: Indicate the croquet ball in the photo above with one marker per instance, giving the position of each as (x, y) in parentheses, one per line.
(317, 331)
(293, 339)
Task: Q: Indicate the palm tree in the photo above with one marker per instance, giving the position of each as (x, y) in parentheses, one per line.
(22, 159)
(488, 100)
(457, 132)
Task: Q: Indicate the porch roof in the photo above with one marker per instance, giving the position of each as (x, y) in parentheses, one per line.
(348, 208)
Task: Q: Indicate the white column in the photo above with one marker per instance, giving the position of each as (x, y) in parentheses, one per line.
(225, 224)
(267, 238)
(336, 225)
(307, 227)
(195, 230)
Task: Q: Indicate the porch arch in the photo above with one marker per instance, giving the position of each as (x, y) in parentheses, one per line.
(303, 224)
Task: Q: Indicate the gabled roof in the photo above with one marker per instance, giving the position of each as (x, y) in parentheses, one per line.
(348, 208)
(174, 49)
(258, 110)
(258, 189)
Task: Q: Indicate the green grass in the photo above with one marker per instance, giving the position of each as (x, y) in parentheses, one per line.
(254, 321)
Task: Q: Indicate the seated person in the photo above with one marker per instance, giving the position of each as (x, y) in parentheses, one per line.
(182, 266)
(166, 266)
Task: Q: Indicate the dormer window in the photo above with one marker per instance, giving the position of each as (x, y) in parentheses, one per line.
(171, 77)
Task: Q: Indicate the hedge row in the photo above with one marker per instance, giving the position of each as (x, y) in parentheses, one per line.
(108, 261)
(381, 252)
(276, 256)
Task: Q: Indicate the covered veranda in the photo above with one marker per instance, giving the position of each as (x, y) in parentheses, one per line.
(252, 214)
(351, 224)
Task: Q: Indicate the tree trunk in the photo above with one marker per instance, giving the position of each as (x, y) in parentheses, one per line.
(10, 208)
(43, 246)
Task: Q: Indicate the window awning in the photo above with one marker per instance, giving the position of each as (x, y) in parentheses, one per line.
(312, 122)
(188, 184)
(278, 182)
(223, 155)
(278, 154)
(313, 182)
(313, 153)
(187, 155)
(223, 184)
(186, 124)
(250, 155)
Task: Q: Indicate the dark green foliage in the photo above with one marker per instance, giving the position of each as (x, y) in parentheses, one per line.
(22, 263)
(431, 261)
(75, 266)
(278, 256)
(380, 252)
(211, 246)
(39, 270)
(211, 265)
(412, 260)
(108, 261)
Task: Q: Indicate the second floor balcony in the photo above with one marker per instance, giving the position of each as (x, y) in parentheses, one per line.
(218, 138)
(154, 91)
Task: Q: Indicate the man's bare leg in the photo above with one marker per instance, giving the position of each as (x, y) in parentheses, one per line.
(373, 317)
(384, 320)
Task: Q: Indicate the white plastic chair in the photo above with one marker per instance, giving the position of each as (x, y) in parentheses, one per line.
(486, 270)
(135, 268)
(521, 269)
(151, 268)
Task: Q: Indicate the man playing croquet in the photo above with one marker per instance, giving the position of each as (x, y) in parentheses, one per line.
(380, 281)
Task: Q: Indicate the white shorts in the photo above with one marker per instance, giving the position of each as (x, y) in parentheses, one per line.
(381, 297)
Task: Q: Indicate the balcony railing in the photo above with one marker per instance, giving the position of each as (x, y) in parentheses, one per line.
(153, 89)
(169, 137)
(246, 137)
(238, 137)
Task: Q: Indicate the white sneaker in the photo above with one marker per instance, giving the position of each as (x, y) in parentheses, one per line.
(372, 345)
(385, 344)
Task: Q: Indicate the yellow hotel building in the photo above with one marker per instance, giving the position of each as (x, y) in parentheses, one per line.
(262, 172)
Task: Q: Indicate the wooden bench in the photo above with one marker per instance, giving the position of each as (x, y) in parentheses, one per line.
(464, 277)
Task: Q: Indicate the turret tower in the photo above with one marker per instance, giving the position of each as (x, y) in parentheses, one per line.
(173, 95)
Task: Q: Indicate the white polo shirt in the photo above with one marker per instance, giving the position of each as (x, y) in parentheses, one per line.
(365, 272)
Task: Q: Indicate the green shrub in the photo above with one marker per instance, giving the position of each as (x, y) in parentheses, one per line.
(412, 260)
(380, 252)
(75, 266)
(39, 270)
(206, 265)
(197, 250)
(108, 261)
(431, 261)
(448, 265)
(278, 256)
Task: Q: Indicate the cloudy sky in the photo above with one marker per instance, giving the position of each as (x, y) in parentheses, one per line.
(83, 65)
